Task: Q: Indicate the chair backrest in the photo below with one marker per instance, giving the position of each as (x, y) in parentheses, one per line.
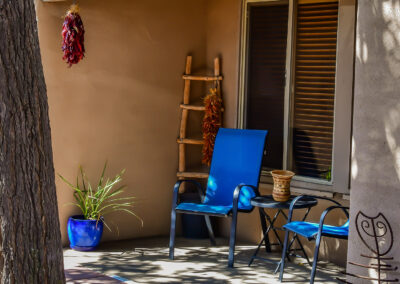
(236, 160)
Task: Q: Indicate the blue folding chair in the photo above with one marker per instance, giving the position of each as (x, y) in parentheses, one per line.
(313, 231)
(233, 181)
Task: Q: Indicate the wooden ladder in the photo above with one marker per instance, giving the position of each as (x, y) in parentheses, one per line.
(186, 107)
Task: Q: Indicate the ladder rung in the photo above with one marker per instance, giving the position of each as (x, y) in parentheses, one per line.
(190, 141)
(202, 78)
(193, 107)
(191, 175)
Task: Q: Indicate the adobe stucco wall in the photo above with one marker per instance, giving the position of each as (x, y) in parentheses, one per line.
(223, 36)
(121, 102)
(376, 131)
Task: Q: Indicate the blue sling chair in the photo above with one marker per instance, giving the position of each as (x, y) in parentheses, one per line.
(313, 231)
(232, 182)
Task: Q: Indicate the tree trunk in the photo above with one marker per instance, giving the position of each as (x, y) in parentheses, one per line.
(30, 240)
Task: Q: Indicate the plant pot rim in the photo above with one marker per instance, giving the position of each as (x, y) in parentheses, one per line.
(80, 218)
(282, 174)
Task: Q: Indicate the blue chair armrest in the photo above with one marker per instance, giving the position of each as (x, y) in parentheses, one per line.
(296, 199)
(329, 209)
(178, 185)
(236, 194)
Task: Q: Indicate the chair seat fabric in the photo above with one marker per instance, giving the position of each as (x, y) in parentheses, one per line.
(309, 230)
(204, 208)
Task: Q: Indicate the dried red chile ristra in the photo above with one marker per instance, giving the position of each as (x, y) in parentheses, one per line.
(211, 123)
(73, 37)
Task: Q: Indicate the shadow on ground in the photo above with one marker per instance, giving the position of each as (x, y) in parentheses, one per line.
(146, 261)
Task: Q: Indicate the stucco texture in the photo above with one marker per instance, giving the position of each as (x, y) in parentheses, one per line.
(376, 130)
(121, 103)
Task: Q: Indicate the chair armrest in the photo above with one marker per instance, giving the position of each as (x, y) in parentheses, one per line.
(236, 194)
(329, 209)
(178, 185)
(296, 199)
(326, 211)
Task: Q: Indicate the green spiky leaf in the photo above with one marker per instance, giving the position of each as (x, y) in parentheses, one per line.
(104, 198)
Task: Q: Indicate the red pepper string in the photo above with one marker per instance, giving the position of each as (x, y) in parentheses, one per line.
(73, 36)
(211, 123)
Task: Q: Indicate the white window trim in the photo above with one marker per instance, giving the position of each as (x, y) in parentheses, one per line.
(343, 95)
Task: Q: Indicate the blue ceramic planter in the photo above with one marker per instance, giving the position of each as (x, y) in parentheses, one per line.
(84, 235)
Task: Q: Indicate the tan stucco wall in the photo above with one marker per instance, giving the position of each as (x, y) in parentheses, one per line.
(223, 36)
(121, 102)
(376, 131)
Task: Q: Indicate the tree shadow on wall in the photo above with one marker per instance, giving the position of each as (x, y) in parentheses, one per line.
(376, 118)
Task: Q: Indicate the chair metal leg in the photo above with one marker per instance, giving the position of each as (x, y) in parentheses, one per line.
(232, 239)
(210, 230)
(284, 252)
(316, 253)
(172, 234)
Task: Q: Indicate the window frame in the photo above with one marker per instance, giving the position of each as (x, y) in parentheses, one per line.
(343, 105)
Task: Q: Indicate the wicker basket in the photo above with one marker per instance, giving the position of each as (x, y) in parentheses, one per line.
(282, 179)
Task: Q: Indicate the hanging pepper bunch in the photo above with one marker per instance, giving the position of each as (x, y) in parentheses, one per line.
(73, 36)
(211, 123)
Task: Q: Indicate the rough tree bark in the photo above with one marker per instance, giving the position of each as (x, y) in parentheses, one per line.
(30, 241)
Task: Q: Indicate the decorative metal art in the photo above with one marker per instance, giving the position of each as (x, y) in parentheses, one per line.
(377, 235)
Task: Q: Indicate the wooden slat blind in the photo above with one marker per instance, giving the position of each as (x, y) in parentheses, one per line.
(314, 92)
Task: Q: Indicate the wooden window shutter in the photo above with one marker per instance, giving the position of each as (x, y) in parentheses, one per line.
(314, 87)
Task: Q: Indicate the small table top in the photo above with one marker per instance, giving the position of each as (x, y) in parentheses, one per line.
(267, 201)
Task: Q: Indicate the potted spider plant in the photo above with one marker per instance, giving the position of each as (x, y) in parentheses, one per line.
(85, 230)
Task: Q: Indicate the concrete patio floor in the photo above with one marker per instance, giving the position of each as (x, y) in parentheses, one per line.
(146, 261)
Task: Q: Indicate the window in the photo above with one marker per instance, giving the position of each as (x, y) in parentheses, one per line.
(266, 85)
(297, 82)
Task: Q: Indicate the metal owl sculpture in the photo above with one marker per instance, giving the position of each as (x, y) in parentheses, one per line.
(377, 235)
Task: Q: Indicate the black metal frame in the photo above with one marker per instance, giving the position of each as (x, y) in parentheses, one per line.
(233, 213)
(268, 244)
(317, 237)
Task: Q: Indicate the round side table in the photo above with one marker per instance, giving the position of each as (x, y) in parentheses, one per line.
(265, 202)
